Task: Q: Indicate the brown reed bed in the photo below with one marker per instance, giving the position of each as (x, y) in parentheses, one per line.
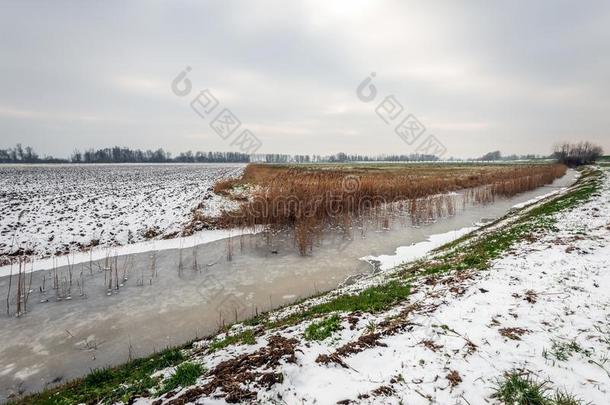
(309, 199)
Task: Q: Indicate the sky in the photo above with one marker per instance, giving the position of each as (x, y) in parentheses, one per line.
(478, 76)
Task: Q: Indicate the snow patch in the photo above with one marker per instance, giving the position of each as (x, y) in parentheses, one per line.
(416, 251)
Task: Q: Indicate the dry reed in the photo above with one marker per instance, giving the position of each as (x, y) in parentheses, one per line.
(311, 200)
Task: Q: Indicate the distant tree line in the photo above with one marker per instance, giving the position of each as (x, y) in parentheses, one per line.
(126, 155)
(118, 154)
(339, 157)
(20, 154)
(570, 154)
(576, 154)
(497, 155)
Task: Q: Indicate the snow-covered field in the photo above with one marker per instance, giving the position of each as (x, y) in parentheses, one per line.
(49, 209)
(542, 309)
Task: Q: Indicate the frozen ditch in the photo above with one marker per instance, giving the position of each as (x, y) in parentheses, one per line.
(168, 296)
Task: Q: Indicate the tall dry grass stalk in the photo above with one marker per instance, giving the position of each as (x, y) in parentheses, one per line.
(180, 261)
(23, 288)
(8, 294)
(311, 200)
(229, 249)
(195, 252)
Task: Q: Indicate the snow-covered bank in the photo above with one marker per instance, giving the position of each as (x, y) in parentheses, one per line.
(539, 198)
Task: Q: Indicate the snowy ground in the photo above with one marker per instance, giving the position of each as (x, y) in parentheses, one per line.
(542, 309)
(48, 209)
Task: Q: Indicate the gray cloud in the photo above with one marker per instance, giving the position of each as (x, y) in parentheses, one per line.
(518, 76)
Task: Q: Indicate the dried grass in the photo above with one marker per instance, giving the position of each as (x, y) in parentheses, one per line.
(310, 199)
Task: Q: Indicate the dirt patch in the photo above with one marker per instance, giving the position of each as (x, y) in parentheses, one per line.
(429, 344)
(151, 233)
(456, 282)
(400, 323)
(383, 391)
(200, 222)
(530, 238)
(268, 380)
(454, 378)
(364, 342)
(513, 333)
(353, 319)
(470, 347)
(531, 296)
(229, 378)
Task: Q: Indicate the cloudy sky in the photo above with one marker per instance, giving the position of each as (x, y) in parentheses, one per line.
(517, 76)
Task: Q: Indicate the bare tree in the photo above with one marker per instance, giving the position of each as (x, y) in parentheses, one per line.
(576, 154)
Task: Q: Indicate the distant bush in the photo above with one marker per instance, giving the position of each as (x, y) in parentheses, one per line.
(577, 154)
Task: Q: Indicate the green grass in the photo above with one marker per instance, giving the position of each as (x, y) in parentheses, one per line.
(245, 338)
(99, 376)
(562, 351)
(519, 389)
(323, 329)
(564, 398)
(109, 385)
(372, 299)
(186, 374)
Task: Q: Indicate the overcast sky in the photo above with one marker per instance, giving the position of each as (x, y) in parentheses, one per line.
(517, 76)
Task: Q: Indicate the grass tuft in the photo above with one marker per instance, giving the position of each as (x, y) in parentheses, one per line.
(520, 389)
(244, 338)
(564, 398)
(99, 376)
(373, 299)
(323, 329)
(562, 351)
(517, 389)
(186, 374)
